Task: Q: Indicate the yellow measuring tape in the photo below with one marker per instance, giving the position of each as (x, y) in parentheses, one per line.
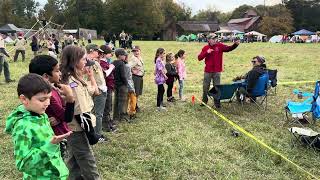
(279, 83)
(295, 82)
(256, 139)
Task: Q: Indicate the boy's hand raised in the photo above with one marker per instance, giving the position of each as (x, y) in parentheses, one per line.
(58, 139)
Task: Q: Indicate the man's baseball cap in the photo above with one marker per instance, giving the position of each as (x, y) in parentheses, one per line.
(92, 47)
(260, 58)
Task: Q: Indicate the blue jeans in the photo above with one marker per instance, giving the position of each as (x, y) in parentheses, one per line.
(181, 88)
(99, 104)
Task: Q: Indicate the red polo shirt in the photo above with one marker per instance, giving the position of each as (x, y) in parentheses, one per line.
(214, 60)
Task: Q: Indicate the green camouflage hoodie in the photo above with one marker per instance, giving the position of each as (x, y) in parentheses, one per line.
(35, 156)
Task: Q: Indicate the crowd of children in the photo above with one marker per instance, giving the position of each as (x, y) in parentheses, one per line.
(74, 97)
(168, 69)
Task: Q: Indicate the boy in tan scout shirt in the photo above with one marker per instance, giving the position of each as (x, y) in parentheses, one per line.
(93, 52)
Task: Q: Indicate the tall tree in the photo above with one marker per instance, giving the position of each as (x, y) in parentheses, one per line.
(305, 13)
(212, 14)
(144, 19)
(6, 8)
(278, 20)
(239, 11)
(24, 12)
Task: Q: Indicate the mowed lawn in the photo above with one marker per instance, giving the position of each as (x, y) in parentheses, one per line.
(189, 142)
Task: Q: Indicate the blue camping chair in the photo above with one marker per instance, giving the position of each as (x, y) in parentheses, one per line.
(223, 92)
(273, 81)
(259, 91)
(299, 111)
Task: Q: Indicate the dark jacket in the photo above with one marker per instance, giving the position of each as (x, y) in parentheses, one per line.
(119, 74)
(110, 79)
(171, 73)
(253, 75)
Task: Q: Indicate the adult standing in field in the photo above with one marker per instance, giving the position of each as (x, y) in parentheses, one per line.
(137, 68)
(20, 43)
(34, 46)
(3, 61)
(213, 56)
(89, 38)
(122, 41)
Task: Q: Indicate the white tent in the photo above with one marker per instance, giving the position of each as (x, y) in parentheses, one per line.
(255, 33)
(276, 39)
(225, 31)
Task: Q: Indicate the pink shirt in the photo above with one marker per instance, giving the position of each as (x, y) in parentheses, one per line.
(181, 68)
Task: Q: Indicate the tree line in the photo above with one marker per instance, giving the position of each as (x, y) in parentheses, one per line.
(147, 17)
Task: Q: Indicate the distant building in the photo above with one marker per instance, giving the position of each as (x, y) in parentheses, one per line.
(249, 22)
(172, 29)
(197, 26)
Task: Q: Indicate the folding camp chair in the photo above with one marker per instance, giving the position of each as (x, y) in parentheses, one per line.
(272, 84)
(305, 136)
(297, 111)
(260, 91)
(223, 92)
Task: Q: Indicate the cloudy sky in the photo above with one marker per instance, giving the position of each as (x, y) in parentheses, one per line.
(225, 5)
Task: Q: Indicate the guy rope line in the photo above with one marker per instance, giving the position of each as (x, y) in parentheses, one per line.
(234, 125)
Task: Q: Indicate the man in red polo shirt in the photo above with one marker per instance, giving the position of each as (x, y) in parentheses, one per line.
(212, 54)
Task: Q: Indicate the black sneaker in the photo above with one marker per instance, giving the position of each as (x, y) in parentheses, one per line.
(10, 81)
(102, 139)
(132, 117)
(217, 104)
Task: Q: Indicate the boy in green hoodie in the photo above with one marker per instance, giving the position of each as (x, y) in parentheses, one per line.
(36, 148)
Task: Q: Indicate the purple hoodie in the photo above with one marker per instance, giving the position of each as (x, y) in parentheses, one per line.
(159, 72)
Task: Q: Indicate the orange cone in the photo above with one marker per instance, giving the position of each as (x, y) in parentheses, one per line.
(193, 100)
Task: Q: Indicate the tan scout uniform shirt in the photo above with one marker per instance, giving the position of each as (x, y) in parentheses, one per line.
(136, 65)
(20, 43)
(99, 77)
(83, 102)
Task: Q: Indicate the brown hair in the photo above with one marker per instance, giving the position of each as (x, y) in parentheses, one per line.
(169, 57)
(159, 51)
(180, 53)
(70, 57)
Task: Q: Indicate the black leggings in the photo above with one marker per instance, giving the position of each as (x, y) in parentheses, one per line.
(169, 90)
(160, 95)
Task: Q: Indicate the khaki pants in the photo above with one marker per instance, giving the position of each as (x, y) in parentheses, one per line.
(132, 102)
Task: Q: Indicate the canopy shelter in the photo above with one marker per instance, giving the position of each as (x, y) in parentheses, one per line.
(304, 32)
(223, 31)
(9, 28)
(255, 33)
(237, 32)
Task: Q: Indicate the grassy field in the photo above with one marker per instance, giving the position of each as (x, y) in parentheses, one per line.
(189, 142)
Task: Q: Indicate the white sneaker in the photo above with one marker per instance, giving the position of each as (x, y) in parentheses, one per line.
(183, 99)
(161, 108)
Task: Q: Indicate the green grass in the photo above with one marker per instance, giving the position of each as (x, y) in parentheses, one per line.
(189, 142)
